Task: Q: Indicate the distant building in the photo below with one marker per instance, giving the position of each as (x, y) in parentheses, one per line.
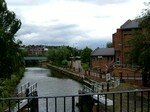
(36, 50)
(121, 40)
(101, 58)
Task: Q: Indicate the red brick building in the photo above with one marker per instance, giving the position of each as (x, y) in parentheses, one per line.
(121, 39)
(101, 58)
(121, 45)
(36, 50)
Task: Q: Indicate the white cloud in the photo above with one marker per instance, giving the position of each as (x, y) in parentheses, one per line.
(72, 21)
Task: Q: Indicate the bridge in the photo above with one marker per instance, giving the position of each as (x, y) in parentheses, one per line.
(35, 58)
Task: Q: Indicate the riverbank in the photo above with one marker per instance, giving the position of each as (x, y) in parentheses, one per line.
(7, 87)
(75, 76)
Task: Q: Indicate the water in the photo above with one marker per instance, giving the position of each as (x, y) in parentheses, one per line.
(51, 84)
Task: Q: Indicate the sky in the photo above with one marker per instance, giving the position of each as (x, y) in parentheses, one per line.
(77, 23)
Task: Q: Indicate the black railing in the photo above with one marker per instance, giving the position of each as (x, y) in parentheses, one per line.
(122, 101)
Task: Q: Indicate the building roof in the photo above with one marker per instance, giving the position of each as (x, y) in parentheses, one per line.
(103, 52)
(130, 24)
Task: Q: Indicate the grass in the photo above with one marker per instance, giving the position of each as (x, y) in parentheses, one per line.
(132, 98)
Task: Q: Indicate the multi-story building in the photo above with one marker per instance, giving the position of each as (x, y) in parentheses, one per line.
(36, 50)
(122, 46)
(121, 39)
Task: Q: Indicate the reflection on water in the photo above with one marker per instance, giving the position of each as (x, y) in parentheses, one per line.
(51, 84)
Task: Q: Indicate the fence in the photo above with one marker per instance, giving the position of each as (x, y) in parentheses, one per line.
(123, 101)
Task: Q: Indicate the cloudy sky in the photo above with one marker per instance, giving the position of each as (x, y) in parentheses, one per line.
(77, 23)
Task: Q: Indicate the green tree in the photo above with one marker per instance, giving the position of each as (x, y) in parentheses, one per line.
(140, 52)
(109, 45)
(10, 54)
(85, 55)
(57, 54)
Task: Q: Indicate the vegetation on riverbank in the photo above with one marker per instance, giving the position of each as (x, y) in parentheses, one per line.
(11, 56)
(8, 86)
(62, 55)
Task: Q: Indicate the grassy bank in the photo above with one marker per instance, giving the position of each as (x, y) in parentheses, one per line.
(8, 87)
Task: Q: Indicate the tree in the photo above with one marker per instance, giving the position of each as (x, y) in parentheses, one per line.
(85, 55)
(10, 54)
(109, 45)
(58, 54)
(140, 52)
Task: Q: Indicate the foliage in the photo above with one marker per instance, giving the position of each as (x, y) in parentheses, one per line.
(85, 66)
(140, 52)
(109, 45)
(85, 55)
(64, 62)
(10, 54)
(7, 86)
(58, 54)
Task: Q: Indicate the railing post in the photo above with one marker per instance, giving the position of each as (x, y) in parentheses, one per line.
(46, 104)
(64, 104)
(148, 100)
(98, 103)
(34, 103)
(113, 102)
(120, 102)
(141, 101)
(134, 101)
(9, 105)
(105, 102)
(127, 101)
(55, 104)
(73, 99)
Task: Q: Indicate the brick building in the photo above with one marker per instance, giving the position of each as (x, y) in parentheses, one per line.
(36, 50)
(121, 45)
(101, 58)
(121, 39)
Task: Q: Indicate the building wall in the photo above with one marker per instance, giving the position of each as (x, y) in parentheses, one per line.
(128, 75)
(121, 44)
(117, 44)
(101, 63)
(35, 51)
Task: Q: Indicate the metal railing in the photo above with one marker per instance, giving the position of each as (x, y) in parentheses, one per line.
(27, 86)
(122, 101)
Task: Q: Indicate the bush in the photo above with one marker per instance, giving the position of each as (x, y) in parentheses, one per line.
(8, 86)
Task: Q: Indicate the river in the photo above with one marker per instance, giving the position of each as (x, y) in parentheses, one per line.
(50, 84)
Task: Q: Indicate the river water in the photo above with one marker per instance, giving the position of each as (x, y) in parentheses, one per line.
(51, 84)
